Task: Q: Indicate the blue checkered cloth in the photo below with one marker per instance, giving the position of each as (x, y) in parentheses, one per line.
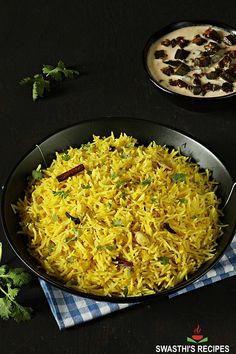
(70, 310)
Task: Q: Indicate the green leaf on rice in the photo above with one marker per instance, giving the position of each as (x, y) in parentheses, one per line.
(179, 177)
(62, 194)
(182, 200)
(37, 174)
(147, 181)
(109, 248)
(66, 156)
(164, 260)
(54, 217)
(117, 222)
(126, 291)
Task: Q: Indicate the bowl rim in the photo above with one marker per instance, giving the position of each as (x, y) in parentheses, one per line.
(170, 28)
(55, 282)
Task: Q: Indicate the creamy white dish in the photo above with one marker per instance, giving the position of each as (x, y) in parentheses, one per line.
(197, 61)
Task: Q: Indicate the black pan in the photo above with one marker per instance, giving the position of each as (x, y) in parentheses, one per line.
(144, 131)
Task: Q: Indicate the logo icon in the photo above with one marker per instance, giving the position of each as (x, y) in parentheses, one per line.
(197, 337)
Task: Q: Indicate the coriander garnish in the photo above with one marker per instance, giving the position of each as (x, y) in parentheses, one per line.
(42, 83)
(179, 177)
(11, 280)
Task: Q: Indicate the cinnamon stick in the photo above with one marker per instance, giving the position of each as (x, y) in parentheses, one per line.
(70, 173)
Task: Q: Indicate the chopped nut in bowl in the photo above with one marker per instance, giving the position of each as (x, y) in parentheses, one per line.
(194, 62)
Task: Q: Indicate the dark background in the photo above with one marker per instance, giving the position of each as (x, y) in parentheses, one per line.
(105, 38)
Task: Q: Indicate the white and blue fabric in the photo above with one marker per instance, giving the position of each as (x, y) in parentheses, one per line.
(70, 310)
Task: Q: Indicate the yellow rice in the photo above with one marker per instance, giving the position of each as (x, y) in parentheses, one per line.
(145, 205)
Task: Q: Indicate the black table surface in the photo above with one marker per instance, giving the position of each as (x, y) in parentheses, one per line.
(105, 39)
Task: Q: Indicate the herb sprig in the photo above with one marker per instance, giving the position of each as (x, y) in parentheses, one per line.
(11, 280)
(42, 83)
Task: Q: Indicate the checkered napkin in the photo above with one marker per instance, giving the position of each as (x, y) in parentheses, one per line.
(70, 310)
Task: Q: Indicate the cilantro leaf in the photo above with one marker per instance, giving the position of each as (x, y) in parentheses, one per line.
(179, 177)
(75, 232)
(47, 68)
(59, 72)
(3, 269)
(114, 175)
(26, 81)
(117, 222)
(109, 248)
(147, 181)
(70, 259)
(5, 308)
(11, 279)
(55, 73)
(66, 156)
(126, 290)
(37, 174)
(18, 276)
(62, 194)
(54, 217)
(51, 247)
(41, 83)
(12, 292)
(75, 237)
(21, 313)
(164, 260)
(86, 186)
(124, 155)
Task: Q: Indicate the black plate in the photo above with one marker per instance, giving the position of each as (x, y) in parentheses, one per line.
(145, 131)
(189, 102)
